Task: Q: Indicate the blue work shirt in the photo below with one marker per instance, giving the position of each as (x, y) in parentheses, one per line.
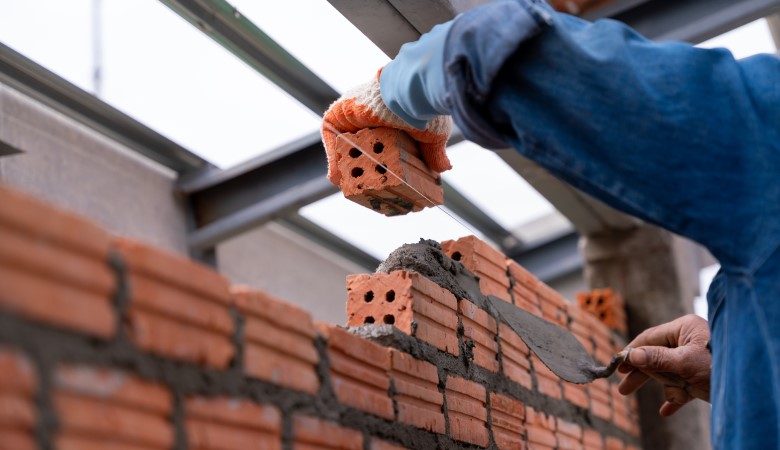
(682, 137)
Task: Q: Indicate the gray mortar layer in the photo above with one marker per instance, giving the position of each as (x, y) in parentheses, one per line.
(426, 258)
(49, 347)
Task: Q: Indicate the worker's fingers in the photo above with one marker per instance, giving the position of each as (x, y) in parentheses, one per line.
(668, 408)
(625, 368)
(657, 359)
(676, 395)
(665, 335)
(632, 382)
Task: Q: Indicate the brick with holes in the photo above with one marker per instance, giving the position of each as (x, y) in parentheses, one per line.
(278, 340)
(466, 411)
(18, 414)
(480, 328)
(99, 406)
(407, 300)
(371, 177)
(416, 392)
(482, 260)
(607, 305)
(359, 371)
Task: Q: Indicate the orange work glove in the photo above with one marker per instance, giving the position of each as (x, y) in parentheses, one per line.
(363, 107)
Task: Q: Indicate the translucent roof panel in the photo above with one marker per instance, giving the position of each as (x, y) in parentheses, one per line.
(485, 179)
(379, 235)
(162, 71)
(318, 36)
(747, 40)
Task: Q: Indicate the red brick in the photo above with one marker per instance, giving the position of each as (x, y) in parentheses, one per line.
(483, 261)
(160, 335)
(552, 304)
(17, 440)
(49, 260)
(466, 411)
(592, 439)
(18, 413)
(42, 221)
(606, 305)
(576, 394)
(480, 327)
(44, 299)
(73, 442)
(373, 181)
(227, 424)
(278, 341)
(540, 429)
(114, 386)
(613, 443)
(546, 381)
(174, 270)
(16, 373)
(408, 300)
(310, 433)
(359, 372)
(524, 288)
(507, 421)
(569, 435)
(416, 392)
(100, 406)
(378, 444)
(515, 356)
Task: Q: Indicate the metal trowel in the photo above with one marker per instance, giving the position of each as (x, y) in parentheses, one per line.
(562, 353)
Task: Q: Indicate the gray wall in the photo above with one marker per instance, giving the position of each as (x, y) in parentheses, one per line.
(77, 168)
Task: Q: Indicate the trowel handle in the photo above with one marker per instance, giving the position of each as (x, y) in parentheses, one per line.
(670, 379)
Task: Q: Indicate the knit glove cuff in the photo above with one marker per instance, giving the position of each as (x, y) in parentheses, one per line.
(363, 107)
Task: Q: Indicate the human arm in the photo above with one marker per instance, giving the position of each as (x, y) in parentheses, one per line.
(678, 347)
(683, 137)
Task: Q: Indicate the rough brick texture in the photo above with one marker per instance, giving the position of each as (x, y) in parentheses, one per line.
(200, 365)
(98, 406)
(479, 328)
(483, 261)
(408, 301)
(178, 308)
(278, 341)
(18, 387)
(223, 423)
(416, 392)
(466, 411)
(371, 177)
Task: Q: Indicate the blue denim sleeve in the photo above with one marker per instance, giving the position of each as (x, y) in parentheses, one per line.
(682, 137)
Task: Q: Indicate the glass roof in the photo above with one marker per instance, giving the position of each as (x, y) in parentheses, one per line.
(167, 74)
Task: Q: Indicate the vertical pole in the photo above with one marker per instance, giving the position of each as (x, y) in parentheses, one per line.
(652, 269)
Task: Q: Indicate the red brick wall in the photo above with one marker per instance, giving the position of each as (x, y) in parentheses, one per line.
(108, 341)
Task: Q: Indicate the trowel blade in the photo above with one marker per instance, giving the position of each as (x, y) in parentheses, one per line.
(558, 349)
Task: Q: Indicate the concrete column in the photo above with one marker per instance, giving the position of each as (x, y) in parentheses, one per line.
(657, 272)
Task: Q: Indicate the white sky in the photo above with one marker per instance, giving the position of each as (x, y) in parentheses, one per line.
(165, 73)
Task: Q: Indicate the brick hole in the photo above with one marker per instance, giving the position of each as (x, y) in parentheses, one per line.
(369, 319)
(381, 169)
(389, 319)
(603, 315)
(456, 256)
(390, 296)
(600, 301)
(369, 296)
(357, 172)
(379, 147)
(353, 152)
(588, 301)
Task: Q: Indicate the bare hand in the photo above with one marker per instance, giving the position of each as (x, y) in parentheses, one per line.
(678, 347)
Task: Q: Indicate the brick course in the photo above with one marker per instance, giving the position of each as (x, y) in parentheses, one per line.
(201, 365)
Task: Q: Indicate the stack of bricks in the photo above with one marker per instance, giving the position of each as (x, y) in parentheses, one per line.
(110, 343)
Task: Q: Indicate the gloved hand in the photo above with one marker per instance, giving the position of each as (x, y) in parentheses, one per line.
(411, 99)
(678, 347)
